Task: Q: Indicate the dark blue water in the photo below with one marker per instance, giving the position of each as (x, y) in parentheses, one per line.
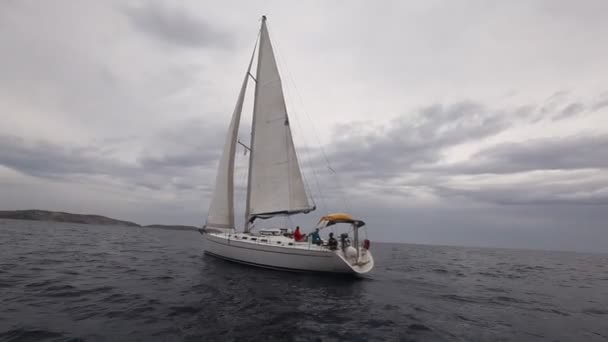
(61, 282)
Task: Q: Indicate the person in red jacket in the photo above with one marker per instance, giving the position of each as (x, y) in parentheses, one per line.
(297, 235)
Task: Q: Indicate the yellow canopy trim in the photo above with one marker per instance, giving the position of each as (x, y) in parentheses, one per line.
(337, 217)
(341, 218)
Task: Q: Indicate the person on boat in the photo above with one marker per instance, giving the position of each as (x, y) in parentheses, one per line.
(316, 239)
(332, 243)
(298, 236)
(344, 241)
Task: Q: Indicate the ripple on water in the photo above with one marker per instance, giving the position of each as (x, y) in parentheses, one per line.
(184, 310)
(116, 298)
(379, 323)
(506, 299)
(71, 291)
(595, 311)
(43, 283)
(23, 334)
(463, 299)
(50, 261)
(389, 307)
(165, 277)
(418, 327)
(5, 283)
(552, 311)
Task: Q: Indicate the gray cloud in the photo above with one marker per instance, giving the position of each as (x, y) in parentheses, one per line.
(543, 189)
(558, 106)
(570, 110)
(417, 142)
(567, 153)
(193, 143)
(405, 159)
(602, 102)
(195, 157)
(362, 148)
(177, 25)
(174, 159)
(45, 159)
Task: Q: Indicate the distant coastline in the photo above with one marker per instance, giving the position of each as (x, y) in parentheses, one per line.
(58, 216)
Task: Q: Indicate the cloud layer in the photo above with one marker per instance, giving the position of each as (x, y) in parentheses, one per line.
(176, 25)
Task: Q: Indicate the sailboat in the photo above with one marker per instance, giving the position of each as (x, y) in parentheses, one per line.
(274, 188)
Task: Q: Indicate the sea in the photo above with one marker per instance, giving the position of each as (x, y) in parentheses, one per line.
(72, 282)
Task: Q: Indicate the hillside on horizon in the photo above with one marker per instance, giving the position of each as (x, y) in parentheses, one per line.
(59, 216)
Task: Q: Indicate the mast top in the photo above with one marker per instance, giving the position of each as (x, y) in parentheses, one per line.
(263, 18)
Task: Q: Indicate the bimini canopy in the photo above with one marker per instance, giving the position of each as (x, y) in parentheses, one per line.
(332, 219)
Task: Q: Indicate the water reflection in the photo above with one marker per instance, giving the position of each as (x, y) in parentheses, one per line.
(283, 301)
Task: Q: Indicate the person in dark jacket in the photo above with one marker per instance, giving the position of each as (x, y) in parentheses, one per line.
(344, 241)
(332, 243)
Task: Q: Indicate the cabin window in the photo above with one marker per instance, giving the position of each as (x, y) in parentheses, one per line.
(291, 243)
(254, 239)
(244, 238)
(279, 242)
(264, 240)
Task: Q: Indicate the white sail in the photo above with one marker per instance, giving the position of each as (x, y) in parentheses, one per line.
(221, 209)
(275, 182)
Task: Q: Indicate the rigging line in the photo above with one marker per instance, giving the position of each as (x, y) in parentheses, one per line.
(291, 80)
(337, 178)
(307, 158)
(329, 166)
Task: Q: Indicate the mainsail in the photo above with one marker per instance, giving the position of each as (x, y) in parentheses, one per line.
(221, 209)
(275, 184)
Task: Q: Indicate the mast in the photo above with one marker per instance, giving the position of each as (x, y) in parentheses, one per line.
(255, 98)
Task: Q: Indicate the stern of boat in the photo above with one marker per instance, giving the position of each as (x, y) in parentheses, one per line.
(361, 265)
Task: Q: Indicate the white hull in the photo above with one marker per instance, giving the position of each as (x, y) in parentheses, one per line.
(282, 253)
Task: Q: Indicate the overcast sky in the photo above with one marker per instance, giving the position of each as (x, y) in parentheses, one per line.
(449, 122)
